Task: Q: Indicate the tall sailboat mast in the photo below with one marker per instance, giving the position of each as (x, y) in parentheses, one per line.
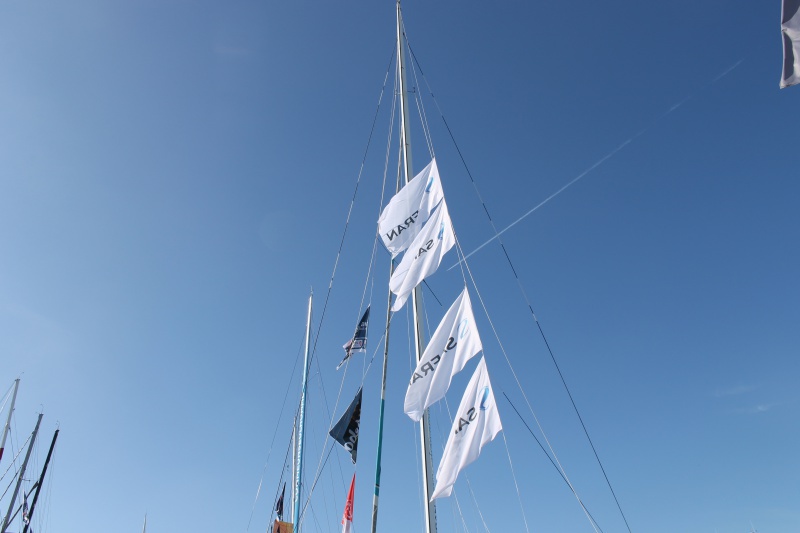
(8, 420)
(416, 301)
(21, 475)
(40, 483)
(301, 425)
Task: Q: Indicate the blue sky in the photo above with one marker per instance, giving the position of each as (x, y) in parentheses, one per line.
(175, 176)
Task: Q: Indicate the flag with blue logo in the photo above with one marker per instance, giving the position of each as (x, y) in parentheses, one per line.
(477, 422)
(454, 342)
(424, 255)
(409, 209)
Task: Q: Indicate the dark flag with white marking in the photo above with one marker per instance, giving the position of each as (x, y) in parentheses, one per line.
(359, 341)
(345, 432)
(790, 32)
(279, 505)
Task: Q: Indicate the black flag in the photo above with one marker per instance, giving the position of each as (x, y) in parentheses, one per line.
(279, 505)
(345, 432)
(359, 341)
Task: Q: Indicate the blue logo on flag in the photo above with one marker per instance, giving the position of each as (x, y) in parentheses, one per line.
(484, 398)
(429, 185)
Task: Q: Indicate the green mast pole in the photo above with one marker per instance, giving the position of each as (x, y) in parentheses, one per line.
(301, 425)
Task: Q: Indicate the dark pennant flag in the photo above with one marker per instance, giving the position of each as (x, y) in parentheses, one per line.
(345, 432)
(279, 505)
(359, 341)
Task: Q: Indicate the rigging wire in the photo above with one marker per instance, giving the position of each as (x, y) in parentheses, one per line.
(516, 485)
(325, 507)
(274, 435)
(550, 458)
(6, 397)
(480, 514)
(524, 294)
(13, 462)
(423, 118)
(516, 378)
(347, 222)
(339, 254)
(314, 484)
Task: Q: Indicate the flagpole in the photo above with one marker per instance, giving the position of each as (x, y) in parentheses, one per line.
(8, 421)
(301, 425)
(416, 301)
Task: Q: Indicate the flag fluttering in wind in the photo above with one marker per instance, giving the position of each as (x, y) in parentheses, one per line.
(409, 209)
(347, 518)
(359, 341)
(279, 504)
(454, 342)
(26, 519)
(477, 422)
(423, 256)
(790, 32)
(345, 432)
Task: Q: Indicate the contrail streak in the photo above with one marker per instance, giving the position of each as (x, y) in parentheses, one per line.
(597, 164)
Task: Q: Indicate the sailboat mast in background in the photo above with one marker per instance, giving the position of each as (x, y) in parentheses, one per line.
(21, 474)
(40, 484)
(8, 420)
(301, 422)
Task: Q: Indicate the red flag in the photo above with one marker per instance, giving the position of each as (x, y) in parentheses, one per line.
(347, 519)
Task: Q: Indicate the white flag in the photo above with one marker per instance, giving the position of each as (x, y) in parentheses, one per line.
(477, 422)
(454, 342)
(406, 213)
(423, 255)
(790, 32)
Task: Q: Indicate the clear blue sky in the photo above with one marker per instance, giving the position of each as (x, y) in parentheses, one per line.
(175, 176)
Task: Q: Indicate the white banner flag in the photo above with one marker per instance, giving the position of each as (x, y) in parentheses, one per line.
(406, 213)
(454, 342)
(423, 256)
(790, 32)
(477, 422)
